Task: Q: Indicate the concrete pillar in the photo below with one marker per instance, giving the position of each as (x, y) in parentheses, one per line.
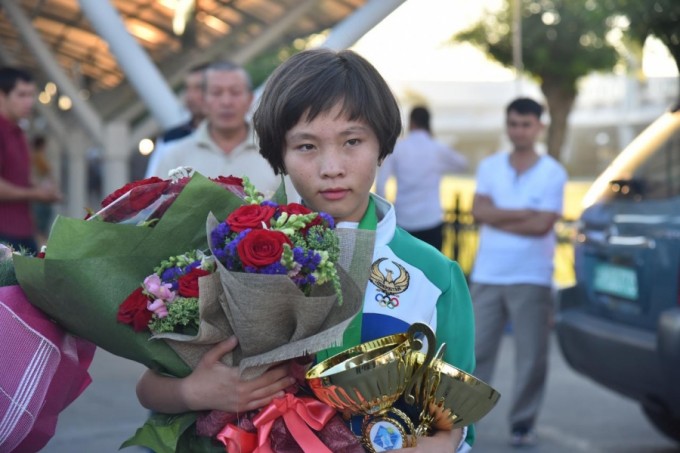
(115, 157)
(76, 190)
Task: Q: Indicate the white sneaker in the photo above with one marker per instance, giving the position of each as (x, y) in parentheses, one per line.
(522, 439)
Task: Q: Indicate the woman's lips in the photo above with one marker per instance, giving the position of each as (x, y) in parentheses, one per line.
(334, 194)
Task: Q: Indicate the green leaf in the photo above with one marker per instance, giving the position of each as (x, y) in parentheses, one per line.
(162, 432)
(280, 196)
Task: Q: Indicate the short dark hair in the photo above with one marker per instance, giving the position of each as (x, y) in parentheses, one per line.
(420, 117)
(227, 65)
(9, 77)
(312, 82)
(525, 106)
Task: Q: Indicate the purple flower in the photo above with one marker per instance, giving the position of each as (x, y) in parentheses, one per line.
(171, 274)
(273, 269)
(219, 234)
(228, 255)
(329, 220)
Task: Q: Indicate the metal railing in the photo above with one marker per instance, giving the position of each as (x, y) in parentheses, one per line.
(461, 239)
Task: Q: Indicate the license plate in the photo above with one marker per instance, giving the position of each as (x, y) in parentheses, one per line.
(616, 280)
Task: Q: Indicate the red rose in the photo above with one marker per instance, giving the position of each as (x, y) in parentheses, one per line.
(229, 180)
(126, 188)
(250, 216)
(133, 311)
(261, 248)
(296, 208)
(232, 184)
(140, 195)
(187, 284)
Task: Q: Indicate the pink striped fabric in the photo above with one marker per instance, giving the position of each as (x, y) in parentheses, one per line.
(43, 370)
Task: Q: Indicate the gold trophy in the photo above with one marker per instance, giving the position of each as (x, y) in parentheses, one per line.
(449, 397)
(369, 378)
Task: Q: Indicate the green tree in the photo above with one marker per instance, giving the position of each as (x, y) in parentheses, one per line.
(660, 18)
(562, 41)
(264, 64)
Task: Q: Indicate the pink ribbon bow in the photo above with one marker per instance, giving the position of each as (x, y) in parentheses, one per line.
(299, 415)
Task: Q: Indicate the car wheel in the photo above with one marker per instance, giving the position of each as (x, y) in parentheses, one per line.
(664, 422)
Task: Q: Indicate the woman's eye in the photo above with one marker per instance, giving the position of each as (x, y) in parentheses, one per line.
(306, 147)
(353, 141)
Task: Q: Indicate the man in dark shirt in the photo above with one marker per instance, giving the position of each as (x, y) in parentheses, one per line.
(17, 98)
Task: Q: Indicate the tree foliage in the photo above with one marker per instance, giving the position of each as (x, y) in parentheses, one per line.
(264, 64)
(660, 18)
(562, 41)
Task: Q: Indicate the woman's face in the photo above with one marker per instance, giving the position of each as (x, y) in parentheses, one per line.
(332, 163)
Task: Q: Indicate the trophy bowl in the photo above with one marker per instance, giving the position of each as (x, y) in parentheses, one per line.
(365, 379)
(450, 397)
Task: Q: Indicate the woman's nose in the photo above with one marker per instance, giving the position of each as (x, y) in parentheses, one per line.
(332, 165)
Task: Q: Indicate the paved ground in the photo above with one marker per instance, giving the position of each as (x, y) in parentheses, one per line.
(106, 414)
(578, 416)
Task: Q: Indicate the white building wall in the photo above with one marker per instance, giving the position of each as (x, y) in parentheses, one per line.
(607, 114)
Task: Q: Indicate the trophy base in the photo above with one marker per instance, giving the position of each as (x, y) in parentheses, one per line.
(390, 430)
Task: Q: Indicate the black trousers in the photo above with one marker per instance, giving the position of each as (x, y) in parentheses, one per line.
(26, 244)
(433, 236)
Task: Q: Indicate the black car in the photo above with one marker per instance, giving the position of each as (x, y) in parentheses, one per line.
(620, 323)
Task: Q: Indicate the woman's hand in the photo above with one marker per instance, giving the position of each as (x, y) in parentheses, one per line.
(212, 385)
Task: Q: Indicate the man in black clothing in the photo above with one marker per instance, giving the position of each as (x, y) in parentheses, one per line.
(193, 101)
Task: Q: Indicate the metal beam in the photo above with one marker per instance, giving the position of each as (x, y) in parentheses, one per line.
(241, 56)
(353, 27)
(134, 61)
(360, 22)
(86, 114)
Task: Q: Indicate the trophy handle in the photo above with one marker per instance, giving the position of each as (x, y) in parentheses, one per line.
(440, 352)
(417, 343)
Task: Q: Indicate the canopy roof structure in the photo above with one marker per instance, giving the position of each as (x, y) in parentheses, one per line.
(211, 29)
(83, 53)
(110, 70)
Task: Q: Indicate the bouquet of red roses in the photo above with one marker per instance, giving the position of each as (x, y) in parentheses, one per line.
(278, 272)
(92, 266)
(279, 265)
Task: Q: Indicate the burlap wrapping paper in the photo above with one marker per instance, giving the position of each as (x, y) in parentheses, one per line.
(213, 325)
(274, 321)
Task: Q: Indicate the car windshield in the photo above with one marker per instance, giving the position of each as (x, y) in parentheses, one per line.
(647, 168)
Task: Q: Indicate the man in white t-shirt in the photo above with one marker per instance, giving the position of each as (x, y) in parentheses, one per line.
(418, 163)
(517, 201)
